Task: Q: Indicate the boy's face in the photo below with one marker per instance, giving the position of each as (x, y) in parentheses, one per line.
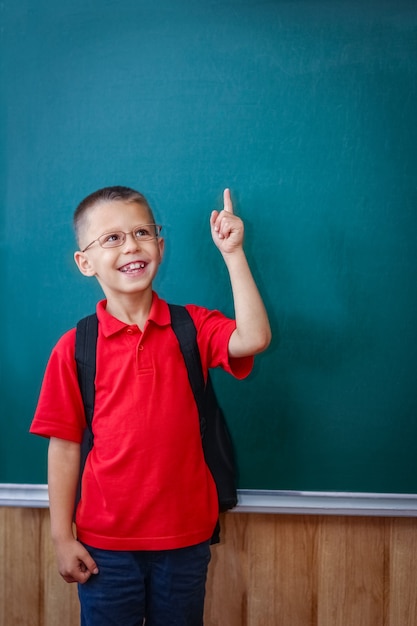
(126, 269)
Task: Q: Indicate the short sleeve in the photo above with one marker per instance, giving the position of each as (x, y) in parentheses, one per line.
(214, 330)
(60, 412)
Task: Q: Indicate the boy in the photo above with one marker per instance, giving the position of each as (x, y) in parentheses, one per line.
(149, 503)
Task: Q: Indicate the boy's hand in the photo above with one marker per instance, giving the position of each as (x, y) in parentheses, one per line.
(226, 228)
(74, 562)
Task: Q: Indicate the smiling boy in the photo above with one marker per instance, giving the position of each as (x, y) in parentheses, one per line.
(149, 503)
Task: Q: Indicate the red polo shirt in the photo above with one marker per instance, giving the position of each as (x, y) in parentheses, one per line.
(145, 485)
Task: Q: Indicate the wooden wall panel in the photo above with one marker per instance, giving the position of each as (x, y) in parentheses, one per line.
(402, 573)
(351, 572)
(269, 570)
(21, 563)
(282, 573)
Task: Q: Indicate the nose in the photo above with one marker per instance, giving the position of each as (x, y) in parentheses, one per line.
(131, 242)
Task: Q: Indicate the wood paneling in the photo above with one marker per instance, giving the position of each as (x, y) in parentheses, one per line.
(351, 572)
(21, 563)
(269, 570)
(402, 573)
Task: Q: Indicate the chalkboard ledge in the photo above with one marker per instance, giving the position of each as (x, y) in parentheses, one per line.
(327, 503)
(33, 496)
(261, 501)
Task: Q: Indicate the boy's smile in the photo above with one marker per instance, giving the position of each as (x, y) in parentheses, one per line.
(127, 269)
(133, 267)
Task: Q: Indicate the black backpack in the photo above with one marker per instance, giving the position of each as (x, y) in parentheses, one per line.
(215, 437)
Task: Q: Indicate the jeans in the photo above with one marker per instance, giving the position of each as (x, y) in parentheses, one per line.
(165, 588)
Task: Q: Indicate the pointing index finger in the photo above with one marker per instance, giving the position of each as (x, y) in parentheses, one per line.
(227, 201)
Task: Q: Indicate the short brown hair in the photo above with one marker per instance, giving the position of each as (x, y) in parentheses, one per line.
(107, 194)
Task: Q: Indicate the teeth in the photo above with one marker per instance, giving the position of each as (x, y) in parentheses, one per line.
(133, 266)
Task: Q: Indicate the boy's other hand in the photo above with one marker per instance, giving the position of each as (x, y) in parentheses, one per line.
(74, 562)
(226, 227)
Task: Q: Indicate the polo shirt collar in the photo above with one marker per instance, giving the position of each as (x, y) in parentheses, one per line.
(159, 314)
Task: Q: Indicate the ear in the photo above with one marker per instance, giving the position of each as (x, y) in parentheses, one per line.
(83, 263)
(161, 246)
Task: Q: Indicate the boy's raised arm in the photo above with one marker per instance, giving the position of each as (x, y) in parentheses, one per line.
(74, 562)
(253, 332)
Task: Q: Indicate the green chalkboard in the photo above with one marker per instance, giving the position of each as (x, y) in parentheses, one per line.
(307, 111)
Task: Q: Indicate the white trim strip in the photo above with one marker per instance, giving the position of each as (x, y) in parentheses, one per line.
(34, 496)
(327, 503)
(258, 501)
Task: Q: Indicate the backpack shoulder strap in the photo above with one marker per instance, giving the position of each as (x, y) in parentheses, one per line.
(85, 357)
(186, 333)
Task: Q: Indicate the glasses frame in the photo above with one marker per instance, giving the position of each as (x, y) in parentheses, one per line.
(157, 228)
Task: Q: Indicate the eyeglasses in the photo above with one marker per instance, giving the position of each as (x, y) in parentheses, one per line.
(143, 232)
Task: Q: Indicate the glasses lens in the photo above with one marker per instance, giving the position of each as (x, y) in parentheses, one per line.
(147, 232)
(111, 240)
(144, 233)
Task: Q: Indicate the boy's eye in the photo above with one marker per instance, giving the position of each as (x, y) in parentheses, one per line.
(142, 232)
(112, 238)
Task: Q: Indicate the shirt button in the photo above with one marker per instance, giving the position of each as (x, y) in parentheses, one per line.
(129, 331)
(140, 347)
